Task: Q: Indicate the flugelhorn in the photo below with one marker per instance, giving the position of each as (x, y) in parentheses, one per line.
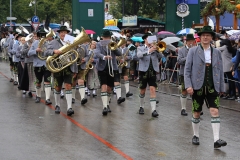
(69, 56)
(40, 45)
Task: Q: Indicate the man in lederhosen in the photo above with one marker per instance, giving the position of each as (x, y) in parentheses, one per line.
(124, 71)
(81, 77)
(40, 69)
(148, 66)
(15, 58)
(181, 59)
(64, 76)
(204, 80)
(106, 80)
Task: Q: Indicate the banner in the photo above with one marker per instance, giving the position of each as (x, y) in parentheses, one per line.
(129, 21)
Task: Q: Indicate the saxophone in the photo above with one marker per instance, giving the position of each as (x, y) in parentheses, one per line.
(89, 64)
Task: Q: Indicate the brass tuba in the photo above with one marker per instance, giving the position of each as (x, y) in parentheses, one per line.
(69, 56)
(40, 45)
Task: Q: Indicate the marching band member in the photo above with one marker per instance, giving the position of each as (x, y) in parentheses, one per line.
(204, 80)
(148, 66)
(9, 45)
(124, 70)
(92, 75)
(132, 62)
(15, 59)
(81, 72)
(181, 59)
(66, 75)
(107, 63)
(40, 69)
(28, 78)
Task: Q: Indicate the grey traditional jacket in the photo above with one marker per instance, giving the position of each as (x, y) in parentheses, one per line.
(128, 56)
(101, 51)
(181, 59)
(33, 53)
(24, 53)
(10, 46)
(55, 45)
(19, 53)
(14, 51)
(84, 55)
(195, 66)
(144, 59)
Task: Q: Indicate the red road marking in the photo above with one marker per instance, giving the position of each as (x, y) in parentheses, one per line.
(87, 130)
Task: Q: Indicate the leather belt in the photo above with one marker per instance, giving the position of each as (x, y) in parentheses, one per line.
(207, 64)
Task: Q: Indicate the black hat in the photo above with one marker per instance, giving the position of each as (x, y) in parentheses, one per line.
(106, 33)
(63, 28)
(19, 35)
(206, 29)
(146, 35)
(41, 32)
(190, 37)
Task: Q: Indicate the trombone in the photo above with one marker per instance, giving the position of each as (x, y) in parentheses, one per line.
(113, 46)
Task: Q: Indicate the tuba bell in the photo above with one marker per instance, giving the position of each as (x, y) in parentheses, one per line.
(69, 56)
(40, 45)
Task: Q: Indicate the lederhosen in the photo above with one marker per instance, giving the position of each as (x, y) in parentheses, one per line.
(148, 77)
(65, 75)
(207, 92)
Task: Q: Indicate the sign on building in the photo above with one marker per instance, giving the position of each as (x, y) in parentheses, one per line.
(129, 21)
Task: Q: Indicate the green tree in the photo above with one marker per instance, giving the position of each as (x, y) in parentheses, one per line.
(48, 10)
(146, 8)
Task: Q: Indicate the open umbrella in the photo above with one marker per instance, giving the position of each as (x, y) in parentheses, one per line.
(165, 32)
(186, 31)
(137, 39)
(165, 35)
(90, 32)
(116, 34)
(138, 35)
(231, 32)
(170, 40)
(112, 28)
(235, 36)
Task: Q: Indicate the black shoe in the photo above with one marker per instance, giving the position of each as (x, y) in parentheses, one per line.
(15, 83)
(94, 95)
(219, 143)
(30, 94)
(157, 101)
(24, 92)
(57, 110)
(108, 108)
(105, 111)
(183, 112)
(73, 100)
(141, 110)
(226, 97)
(120, 100)
(201, 113)
(62, 96)
(83, 101)
(195, 140)
(70, 111)
(154, 113)
(38, 99)
(11, 80)
(47, 102)
(129, 94)
(231, 98)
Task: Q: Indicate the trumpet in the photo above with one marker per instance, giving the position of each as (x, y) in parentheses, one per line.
(160, 46)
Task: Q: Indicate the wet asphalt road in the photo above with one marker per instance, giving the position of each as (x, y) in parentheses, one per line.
(31, 131)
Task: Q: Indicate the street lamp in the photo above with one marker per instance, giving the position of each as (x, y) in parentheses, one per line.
(31, 4)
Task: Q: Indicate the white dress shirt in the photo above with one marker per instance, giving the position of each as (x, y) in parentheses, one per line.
(207, 54)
